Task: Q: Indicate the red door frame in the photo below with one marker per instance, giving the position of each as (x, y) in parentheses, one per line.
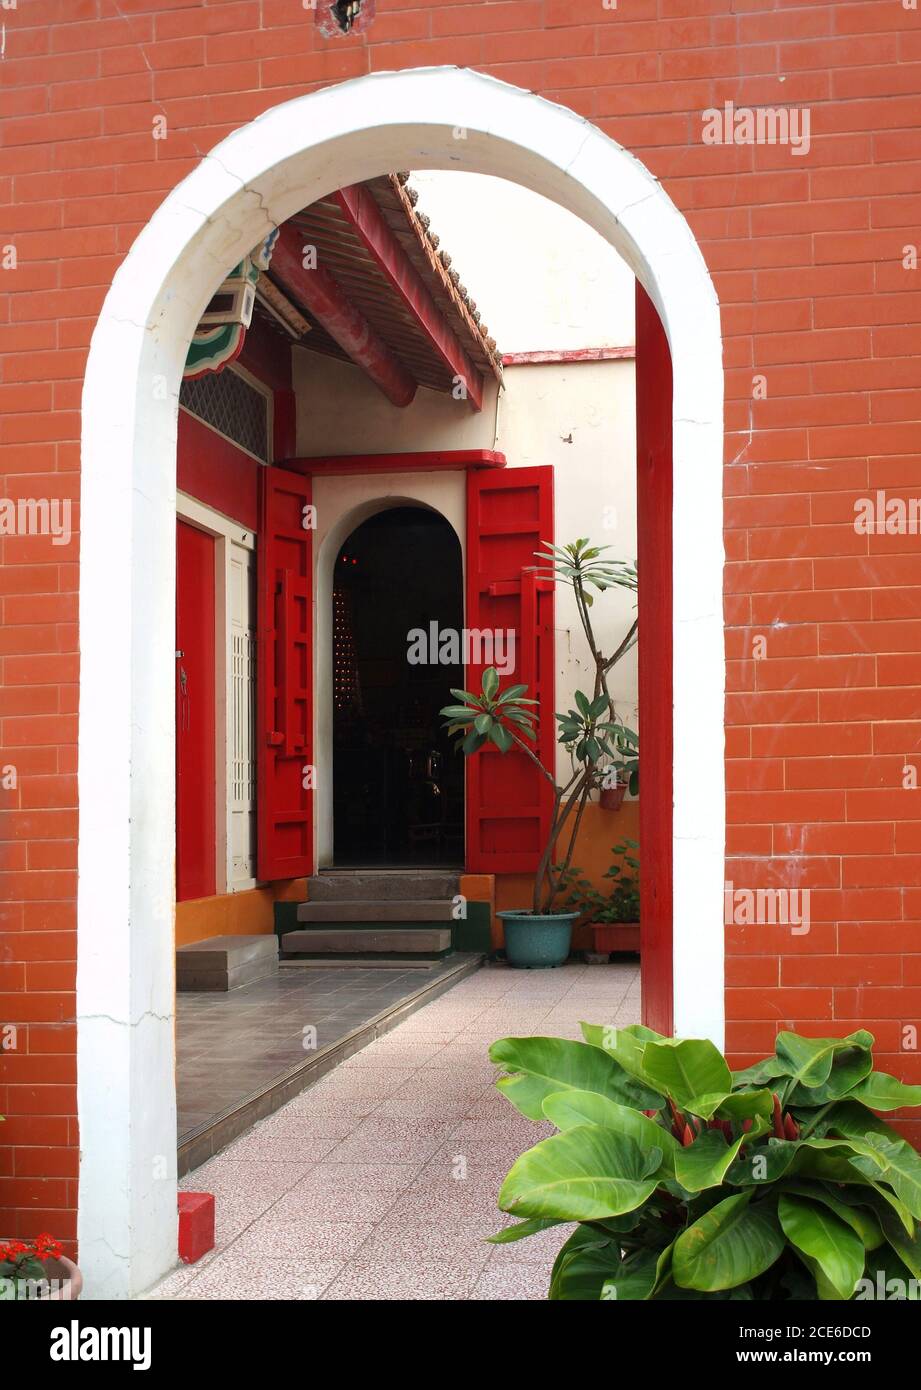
(654, 610)
(196, 808)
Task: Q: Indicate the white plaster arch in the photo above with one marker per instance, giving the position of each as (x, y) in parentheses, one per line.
(253, 180)
(341, 509)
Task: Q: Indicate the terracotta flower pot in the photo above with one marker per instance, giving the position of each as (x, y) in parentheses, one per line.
(616, 936)
(612, 798)
(64, 1282)
(71, 1280)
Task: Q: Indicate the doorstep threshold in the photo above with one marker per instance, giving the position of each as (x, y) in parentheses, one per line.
(205, 1140)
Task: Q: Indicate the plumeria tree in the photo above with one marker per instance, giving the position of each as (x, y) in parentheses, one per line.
(593, 735)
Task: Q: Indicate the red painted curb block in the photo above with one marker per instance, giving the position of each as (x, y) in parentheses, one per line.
(196, 1225)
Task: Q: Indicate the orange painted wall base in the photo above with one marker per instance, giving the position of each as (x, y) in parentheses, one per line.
(250, 913)
(600, 831)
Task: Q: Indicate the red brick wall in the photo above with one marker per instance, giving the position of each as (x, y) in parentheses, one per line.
(806, 253)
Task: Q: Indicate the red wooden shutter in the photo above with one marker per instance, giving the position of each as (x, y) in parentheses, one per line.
(284, 692)
(509, 517)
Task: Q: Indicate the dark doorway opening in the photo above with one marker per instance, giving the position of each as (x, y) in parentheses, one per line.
(398, 785)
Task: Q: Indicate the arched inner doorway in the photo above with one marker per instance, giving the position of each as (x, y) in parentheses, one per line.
(397, 617)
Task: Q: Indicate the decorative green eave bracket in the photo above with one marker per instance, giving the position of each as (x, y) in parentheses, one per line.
(218, 339)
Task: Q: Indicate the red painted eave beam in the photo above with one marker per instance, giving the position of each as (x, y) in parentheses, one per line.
(324, 297)
(362, 211)
(332, 465)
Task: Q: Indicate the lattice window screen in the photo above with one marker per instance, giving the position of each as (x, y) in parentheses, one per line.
(230, 404)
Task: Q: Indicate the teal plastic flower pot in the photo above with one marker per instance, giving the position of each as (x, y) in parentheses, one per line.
(537, 942)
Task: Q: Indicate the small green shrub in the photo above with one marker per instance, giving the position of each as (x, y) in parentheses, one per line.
(621, 904)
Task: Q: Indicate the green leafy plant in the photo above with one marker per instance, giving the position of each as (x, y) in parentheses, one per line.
(592, 734)
(620, 904)
(688, 1180)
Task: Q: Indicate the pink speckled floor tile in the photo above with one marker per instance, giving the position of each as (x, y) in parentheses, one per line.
(386, 1280)
(294, 1239)
(233, 1279)
(298, 1150)
(502, 1283)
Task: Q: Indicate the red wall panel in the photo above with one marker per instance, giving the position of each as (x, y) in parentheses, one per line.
(654, 652)
(195, 714)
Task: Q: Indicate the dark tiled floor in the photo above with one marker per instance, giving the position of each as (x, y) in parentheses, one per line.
(230, 1046)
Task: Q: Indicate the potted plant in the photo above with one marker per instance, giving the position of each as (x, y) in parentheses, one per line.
(37, 1269)
(689, 1180)
(622, 774)
(591, 734)
(614, 917)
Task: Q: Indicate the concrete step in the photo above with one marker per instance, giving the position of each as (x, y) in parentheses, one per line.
(373, 911)
(367, 941)
(382, 885)
(225, 962)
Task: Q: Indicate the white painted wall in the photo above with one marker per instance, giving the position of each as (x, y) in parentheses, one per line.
(581, 419)
(341, 411)
(541, 277)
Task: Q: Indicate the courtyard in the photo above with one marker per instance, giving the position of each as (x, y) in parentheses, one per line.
(380, 1181)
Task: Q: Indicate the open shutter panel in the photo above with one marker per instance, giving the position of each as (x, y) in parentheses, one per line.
(509, 804)
(284, 703)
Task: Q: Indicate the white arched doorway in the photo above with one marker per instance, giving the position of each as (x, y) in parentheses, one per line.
(297, 152)
(341, 509)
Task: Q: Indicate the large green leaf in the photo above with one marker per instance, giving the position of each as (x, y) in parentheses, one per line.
(686, 1068)
(756, 1075)
(886, 1277)
(706, 1162)
(747, 1105)
(639, 1277)
(809, 1060)
(884, 1203)
(881, 1145)
(763, 1163)
(522, 1230)
(832, 1247)
(880, 1091)
(860, 1218)
(581, 1175)
(583, 1273)
(567, 1109)
(626, 1045)
(582, 1238)
(849, 1067)
(907, 1247)
(542, 1066)
(901, 1169)
(733, 1242)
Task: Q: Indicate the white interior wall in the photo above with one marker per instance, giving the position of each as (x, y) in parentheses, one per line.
(581, 419)
(341, 411)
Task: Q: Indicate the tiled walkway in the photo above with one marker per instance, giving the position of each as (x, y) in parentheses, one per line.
(230, 1046)
(380, 1181)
